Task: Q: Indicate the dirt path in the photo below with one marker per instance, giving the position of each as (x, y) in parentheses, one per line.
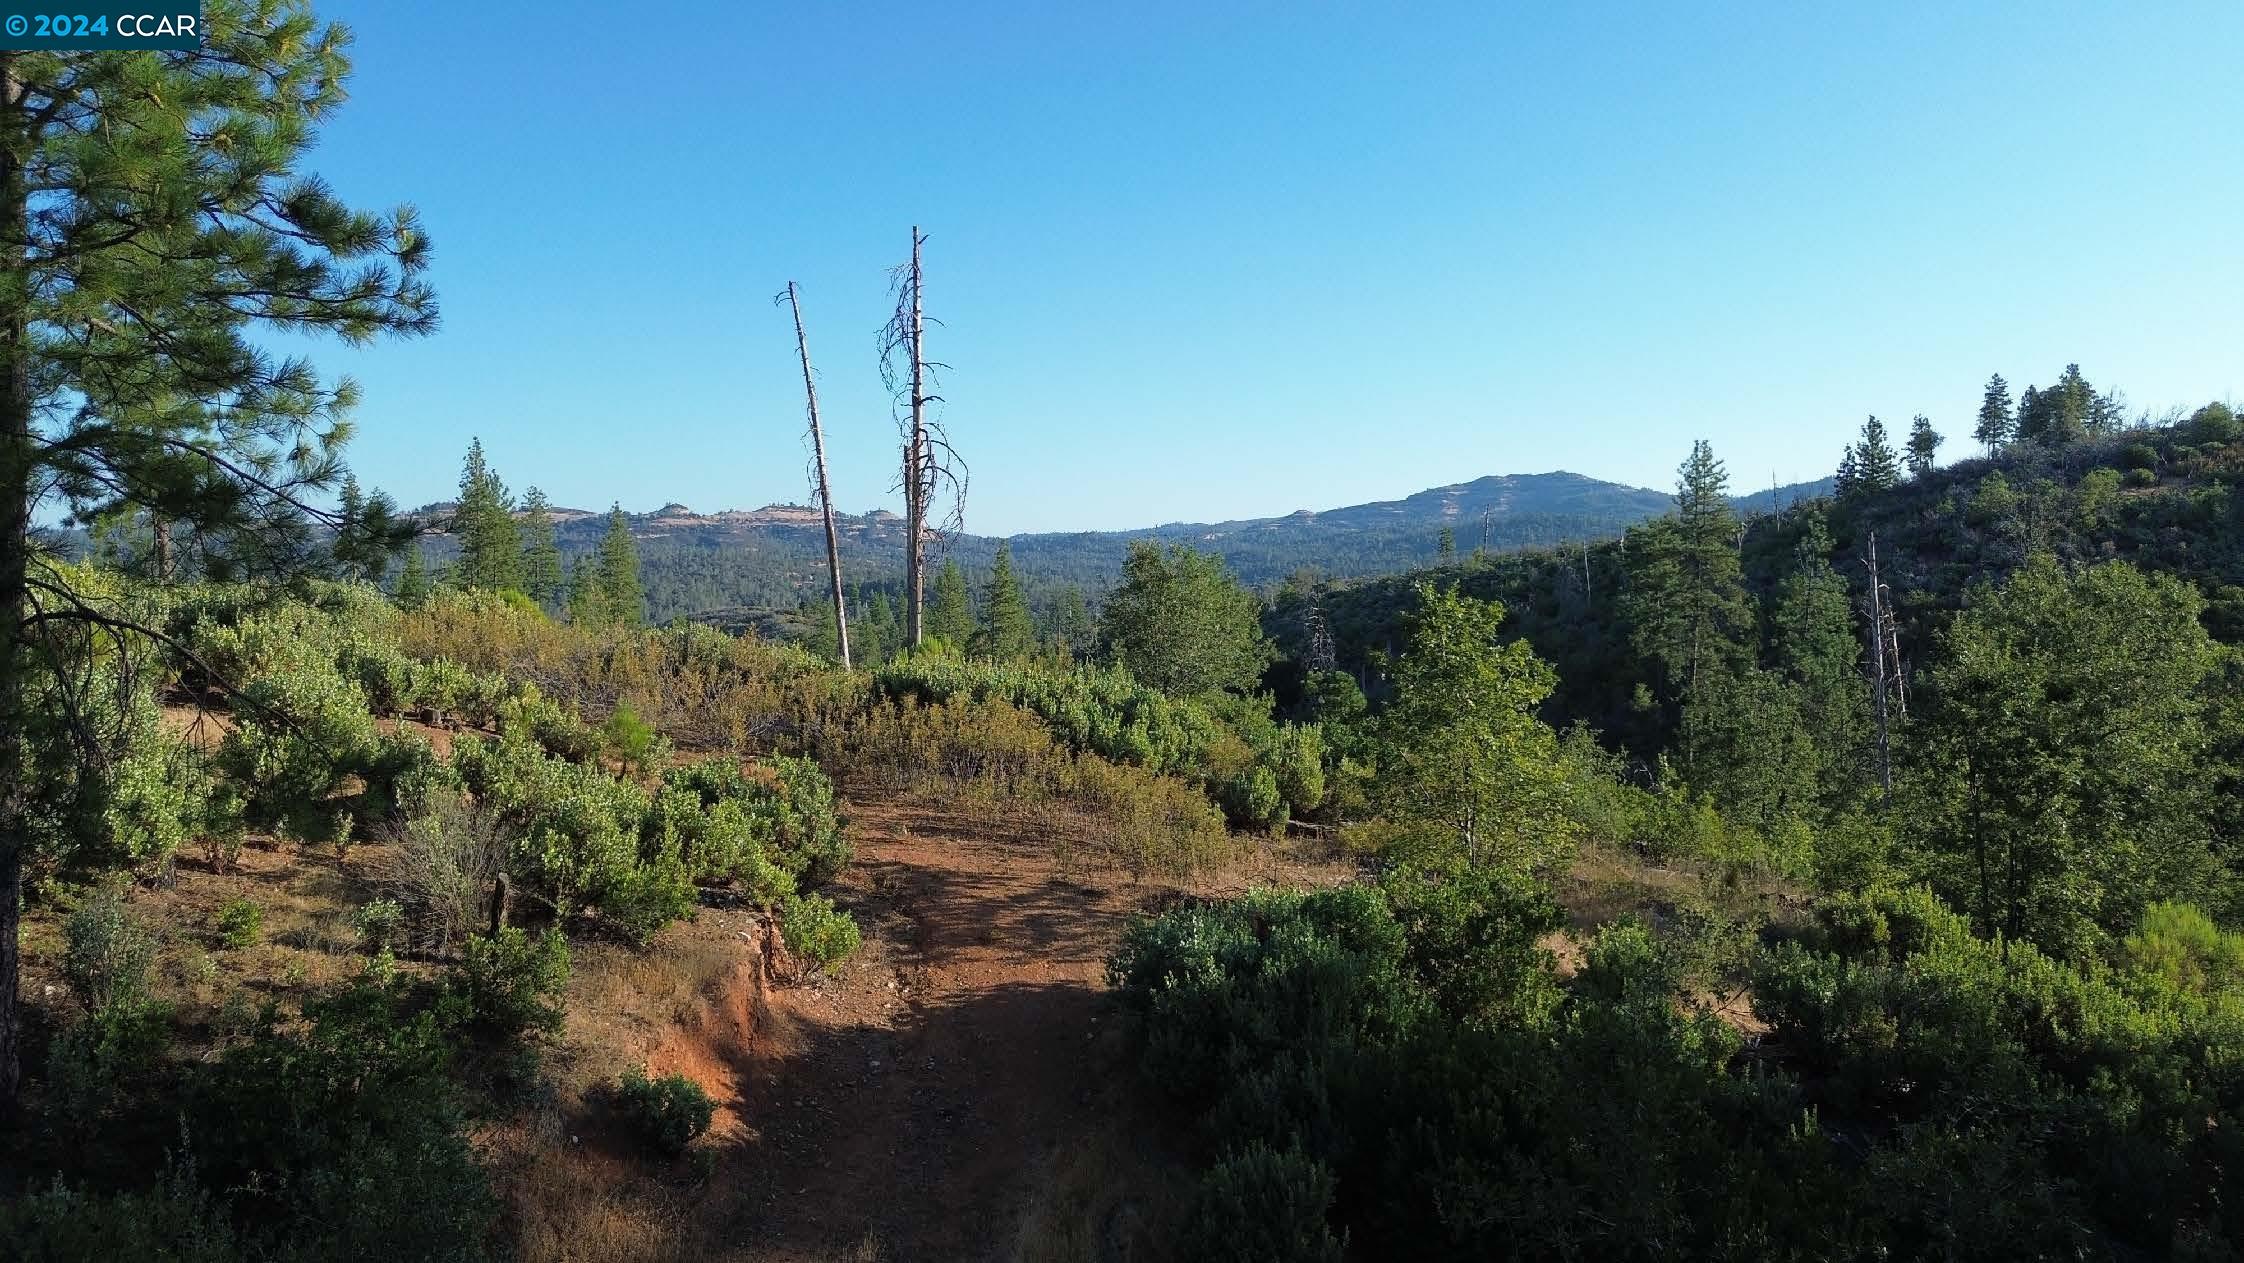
(953, 1077)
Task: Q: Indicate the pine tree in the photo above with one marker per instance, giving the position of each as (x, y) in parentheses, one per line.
(587, 605)
(1877, 468)
(1815, 647)
(490, 542)
(1996, 424)
(367, 534)
(154, 223)
(1847, 482)
(622, 602)
(2033, 424)
(1445, 547)
(1924, 442)
(413, 582)
(1006, 631)
(1686, 599)
(2073, 408)
(350, 508)
(541, 552)
(950, 613)
(1068, 628)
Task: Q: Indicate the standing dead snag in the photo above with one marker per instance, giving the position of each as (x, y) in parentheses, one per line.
(818, 459)
(1888, 691)
(931, 465)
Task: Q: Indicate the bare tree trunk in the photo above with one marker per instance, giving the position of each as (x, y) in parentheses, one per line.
(15, 556)
(1878, 669)
(160, 528)
(918, 488)
(825, 490)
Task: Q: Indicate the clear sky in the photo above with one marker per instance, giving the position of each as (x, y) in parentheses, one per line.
(1203, 261)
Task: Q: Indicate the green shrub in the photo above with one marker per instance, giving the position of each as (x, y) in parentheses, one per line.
(514, 982)
(1251, 799)
(816, 930)
(106, 954)
(2142, 477)
(2215, 423)
(240, 922)
(380, 924)
(1258, 1205)
(2138, 456)
(344, 1138)
(667, 1114)
(175, 1222)
(630, 739)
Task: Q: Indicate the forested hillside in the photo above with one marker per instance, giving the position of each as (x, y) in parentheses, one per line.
(761, 568)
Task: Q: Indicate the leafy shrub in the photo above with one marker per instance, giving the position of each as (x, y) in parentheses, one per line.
(2142, 477)
(380, 923)
(514, 982)
(1250, 798)
(667, 1114)
(175, 1221)
(344, 1139)
(106, 955)
(2215, 423)
(816, 930)
(1259, 1205)
(2138, 456)
(240, 922)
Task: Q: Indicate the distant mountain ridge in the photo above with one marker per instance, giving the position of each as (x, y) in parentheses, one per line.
(735, 564)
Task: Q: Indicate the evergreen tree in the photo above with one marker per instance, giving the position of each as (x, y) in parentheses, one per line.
(1816, 647)
(1006, 630)
(490, 542)
(541, 552)
(874, 629)
(1686, 600)
(1996, 424)
(587, 605)
(1068, 628)
(1924, 443)
(1182, 624)
(2073, 409)
(950, 611)
(413, 582)
(367, 533)
(622, 602)
(1877, 468)
(1445, 547)
(1846, 484)
(155, 222)
(2033, 425)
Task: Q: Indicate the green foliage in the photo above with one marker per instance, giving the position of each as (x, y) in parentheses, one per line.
(950, 608)
(174, 1222)
(2215, 423)
(490, 541)
(345, 1139)
(107, 952)
(816, 930)
(668, 1114)
(380, 924)
(1463, 758)
(1006, 631)
(542, 580)
(2058, 782)
(630, 739)
(1180, 623)
(239, 923)
(514, 981)
(1262, 1206)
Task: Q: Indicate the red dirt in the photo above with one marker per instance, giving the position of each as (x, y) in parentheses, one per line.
(913, 1104)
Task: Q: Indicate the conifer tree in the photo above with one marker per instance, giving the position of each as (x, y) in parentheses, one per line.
(367, 533)
(1686, 599)
(1816, 648)
(1068, 629)
(412, 582)
(490, 542)
(622, 602)
(1181, 623)
(1924, 444)
(2033, 425)
(1445, 547)
(1996, 424)
(1877, 468)
(153, 220)
(587, 608)
(541, 553)
(1006, 631)
(950, 613)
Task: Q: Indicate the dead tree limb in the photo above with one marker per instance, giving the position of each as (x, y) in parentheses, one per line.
(825, 489)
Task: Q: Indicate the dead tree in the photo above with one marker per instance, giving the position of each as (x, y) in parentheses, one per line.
(818, 468)
(932, 469)
(1888, 690)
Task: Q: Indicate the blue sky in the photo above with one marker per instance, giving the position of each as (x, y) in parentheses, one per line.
(1209, 261)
